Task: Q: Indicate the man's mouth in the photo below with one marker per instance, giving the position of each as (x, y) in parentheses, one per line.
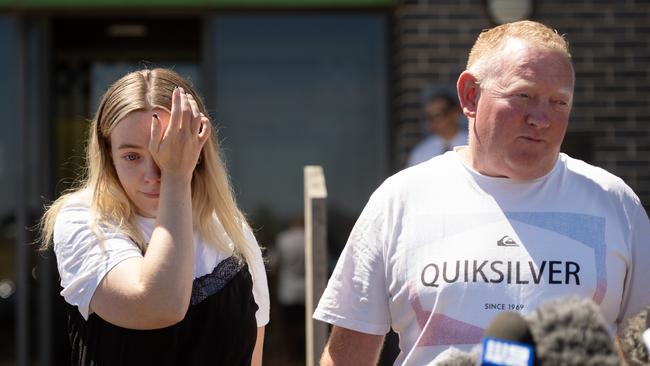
(531, 139)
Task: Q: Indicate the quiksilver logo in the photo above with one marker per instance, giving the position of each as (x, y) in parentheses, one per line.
(497, 271)
(507, 241)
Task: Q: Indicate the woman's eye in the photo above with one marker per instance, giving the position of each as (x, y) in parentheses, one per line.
(131, 157)
(523, 95)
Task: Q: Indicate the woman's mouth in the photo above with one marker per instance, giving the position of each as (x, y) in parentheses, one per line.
(151, 194)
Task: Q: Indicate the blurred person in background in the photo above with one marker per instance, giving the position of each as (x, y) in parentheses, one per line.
(443, 115)
(290, 251)
(505, 223)
(158, 266)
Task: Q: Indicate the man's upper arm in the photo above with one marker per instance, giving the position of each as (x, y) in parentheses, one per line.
(637, 295)
(349, 347)
(356, 296)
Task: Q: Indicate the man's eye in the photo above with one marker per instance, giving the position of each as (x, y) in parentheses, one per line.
(523, 95)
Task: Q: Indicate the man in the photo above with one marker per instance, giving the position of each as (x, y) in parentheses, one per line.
(442, 114)
(505, 223)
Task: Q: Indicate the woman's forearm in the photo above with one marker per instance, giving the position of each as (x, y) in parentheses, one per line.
(168, 265)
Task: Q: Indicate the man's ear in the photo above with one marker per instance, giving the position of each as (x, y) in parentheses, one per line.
(468, 93)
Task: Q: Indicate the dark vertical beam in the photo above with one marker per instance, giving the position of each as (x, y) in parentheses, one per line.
(22, 253)
(43, 135)
(207, 61)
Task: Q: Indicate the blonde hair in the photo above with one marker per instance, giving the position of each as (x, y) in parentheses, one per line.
(212, 196)
(483, 57)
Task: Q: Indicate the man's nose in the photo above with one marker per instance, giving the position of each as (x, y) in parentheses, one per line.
(538, 115)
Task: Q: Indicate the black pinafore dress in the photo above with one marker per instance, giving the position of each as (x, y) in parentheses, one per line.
(218, 329)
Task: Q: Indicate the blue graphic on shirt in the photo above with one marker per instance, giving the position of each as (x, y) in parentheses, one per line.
(586, 229)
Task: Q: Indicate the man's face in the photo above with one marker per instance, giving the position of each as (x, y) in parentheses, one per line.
(522, 114)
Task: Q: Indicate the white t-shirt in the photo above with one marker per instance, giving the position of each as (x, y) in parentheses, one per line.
(435, 145)
(439, 249)
(83, 260)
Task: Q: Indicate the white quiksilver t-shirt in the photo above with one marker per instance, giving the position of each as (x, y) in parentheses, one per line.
(440, 249)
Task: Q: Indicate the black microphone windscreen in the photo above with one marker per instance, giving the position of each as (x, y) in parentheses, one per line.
(509, 326)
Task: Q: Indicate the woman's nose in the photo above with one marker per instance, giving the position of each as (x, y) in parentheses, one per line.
(152, 173)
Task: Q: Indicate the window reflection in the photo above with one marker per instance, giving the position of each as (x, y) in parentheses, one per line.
(295, 90)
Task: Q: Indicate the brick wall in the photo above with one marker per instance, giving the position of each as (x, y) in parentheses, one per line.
(610, 122)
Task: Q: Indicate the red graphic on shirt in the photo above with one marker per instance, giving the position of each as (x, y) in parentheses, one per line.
(601, 289)
(441, 330)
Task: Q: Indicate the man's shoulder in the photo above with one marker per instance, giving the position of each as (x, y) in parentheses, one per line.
(584, 169)
(595, 176)
(433, 172)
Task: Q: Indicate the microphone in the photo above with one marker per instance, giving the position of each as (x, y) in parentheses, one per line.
(568, 332)
(572, 332)
(457, 357)
(634, 339)
(507, 341)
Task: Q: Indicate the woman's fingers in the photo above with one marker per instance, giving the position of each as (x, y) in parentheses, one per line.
(195, 124)
(177, 148)
(154, 139)
(175, 118)
(185, 113)
(181, 114)
(193, 105)
(205, 128)
(186, 123)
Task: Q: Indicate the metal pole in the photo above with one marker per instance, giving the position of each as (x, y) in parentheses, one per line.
(315, 258)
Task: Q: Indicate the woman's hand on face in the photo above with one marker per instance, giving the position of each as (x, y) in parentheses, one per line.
(177, 149)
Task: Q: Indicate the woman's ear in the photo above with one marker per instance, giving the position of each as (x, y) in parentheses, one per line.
(468, 93)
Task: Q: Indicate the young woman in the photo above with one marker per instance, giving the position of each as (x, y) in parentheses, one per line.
(157, 263)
